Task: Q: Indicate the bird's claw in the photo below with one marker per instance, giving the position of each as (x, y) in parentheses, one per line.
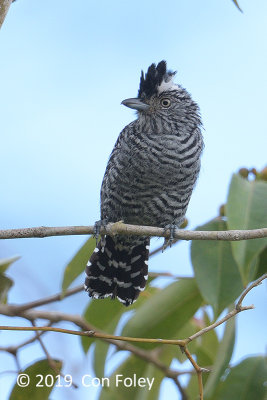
(168, 241)
(102, 223)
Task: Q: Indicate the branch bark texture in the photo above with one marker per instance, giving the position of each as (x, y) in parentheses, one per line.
(125, 229)
(4, 7)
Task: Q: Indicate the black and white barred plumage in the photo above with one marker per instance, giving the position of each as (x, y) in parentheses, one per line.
(148, 181)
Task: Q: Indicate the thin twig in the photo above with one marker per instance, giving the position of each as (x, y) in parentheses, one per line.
(198, 370)
(61, 296)
(50, 360)
(50, 299)
(180, 388)
(14, 349)
(148, 356)
(238, 308)
(121, 342)
(248, 289)
(89, 333)
(125, 229)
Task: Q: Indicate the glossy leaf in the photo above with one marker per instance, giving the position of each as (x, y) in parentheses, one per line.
(6, 262)
(187, 330)
(222, 360)
(262, 264)
(216, 271)
(101, 347)
(246, 208)
(164, 313)
(206, 349)
(5, 285)
(245, 381)
(77, 265)
(38, 388)
(103, 314)
(207, 346)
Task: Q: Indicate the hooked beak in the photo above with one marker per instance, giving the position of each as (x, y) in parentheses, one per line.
(136, 104)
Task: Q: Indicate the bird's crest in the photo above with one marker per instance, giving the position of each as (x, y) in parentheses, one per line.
(156, 80)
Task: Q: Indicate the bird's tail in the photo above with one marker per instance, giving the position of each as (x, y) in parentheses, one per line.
(118, 268)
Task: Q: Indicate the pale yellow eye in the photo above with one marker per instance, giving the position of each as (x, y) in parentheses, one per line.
(165, 102)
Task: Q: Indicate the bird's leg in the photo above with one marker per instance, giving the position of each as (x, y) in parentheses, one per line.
(168, 241)
(97, 227)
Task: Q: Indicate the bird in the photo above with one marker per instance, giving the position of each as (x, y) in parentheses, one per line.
(149, 180)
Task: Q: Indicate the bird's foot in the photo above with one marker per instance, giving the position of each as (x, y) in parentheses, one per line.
(102, 223)
(168, 241)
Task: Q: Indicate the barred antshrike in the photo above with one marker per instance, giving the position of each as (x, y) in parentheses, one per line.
(148, 181)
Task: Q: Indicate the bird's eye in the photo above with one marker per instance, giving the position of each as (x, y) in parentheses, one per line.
(165, 103)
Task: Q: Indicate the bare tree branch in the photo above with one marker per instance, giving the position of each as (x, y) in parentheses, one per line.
(50, 360)
(121, 342)
(55, 316)
(50, 299)
(14, 349)
(238, 308)
(237, 5)
(125, 229)
(145, 355)
(91, 331)
(4, 7)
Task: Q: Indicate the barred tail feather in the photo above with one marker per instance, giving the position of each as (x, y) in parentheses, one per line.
(117, 269)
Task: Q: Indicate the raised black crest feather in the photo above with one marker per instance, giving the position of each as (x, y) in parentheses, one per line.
(153, 79)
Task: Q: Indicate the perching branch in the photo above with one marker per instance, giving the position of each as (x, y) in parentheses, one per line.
(125, 229)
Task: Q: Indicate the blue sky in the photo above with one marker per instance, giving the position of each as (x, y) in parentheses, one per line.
(65, 67)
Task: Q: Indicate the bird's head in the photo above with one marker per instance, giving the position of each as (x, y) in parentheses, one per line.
(159, 96)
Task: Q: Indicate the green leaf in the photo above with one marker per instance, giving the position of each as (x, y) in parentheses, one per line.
(245, 381)
(5, 285)
(216, 355)
(216, 271)
(246, 208)
(262, 264)
(42, 379)
(101, 347)
(103, 314)
(164, 313)
(223, 357)
(77, 265)
(190, 328)
(207, 346)
(136, 368)
(6, 262)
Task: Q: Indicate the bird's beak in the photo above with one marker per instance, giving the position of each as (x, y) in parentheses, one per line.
(136, 104)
